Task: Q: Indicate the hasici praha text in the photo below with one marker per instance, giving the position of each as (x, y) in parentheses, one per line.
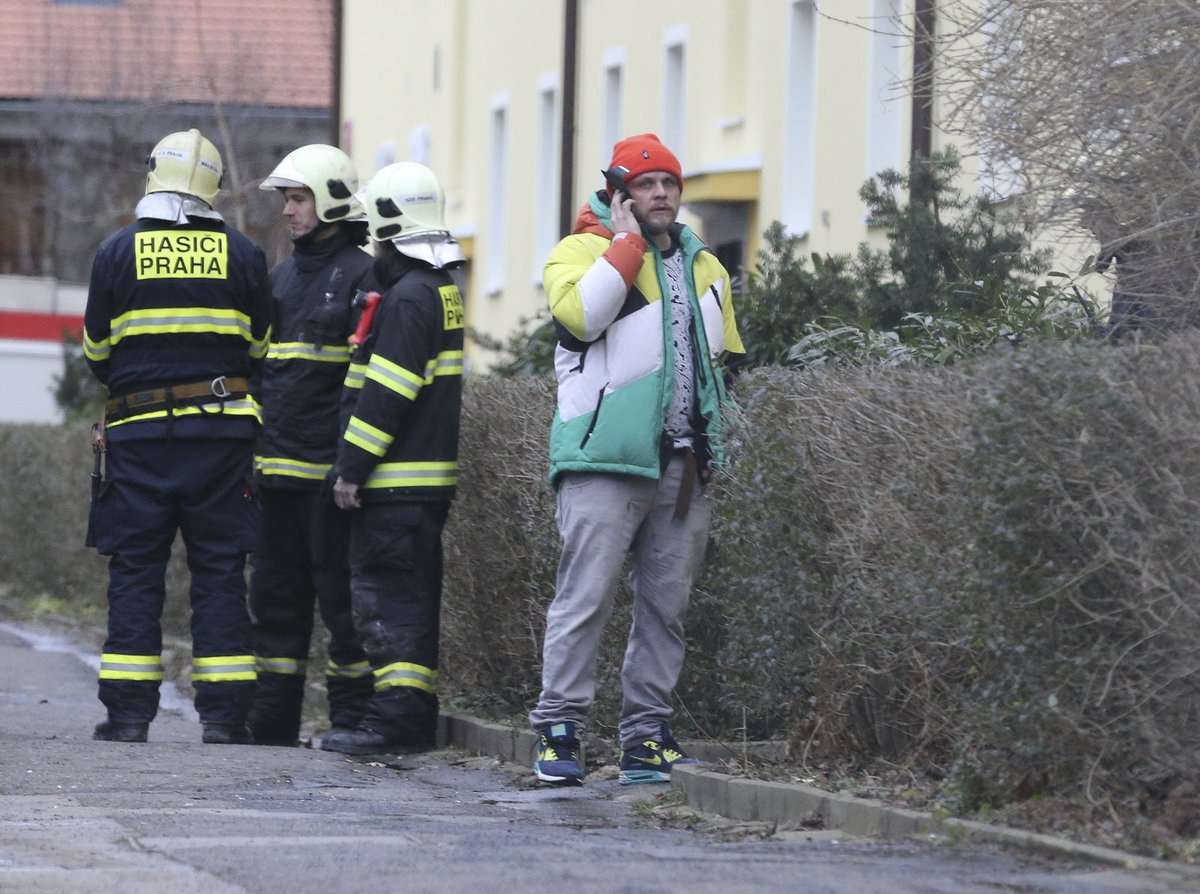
(190, 255)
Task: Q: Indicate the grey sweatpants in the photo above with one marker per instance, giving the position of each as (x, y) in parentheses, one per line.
(601, 517)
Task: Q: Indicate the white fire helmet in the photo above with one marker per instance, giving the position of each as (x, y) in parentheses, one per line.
(404, 199)
(185, 162)
(325, 170)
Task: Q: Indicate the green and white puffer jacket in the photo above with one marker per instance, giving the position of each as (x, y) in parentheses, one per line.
(606, 296)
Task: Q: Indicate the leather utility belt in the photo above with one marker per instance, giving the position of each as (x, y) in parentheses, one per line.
(171, 396)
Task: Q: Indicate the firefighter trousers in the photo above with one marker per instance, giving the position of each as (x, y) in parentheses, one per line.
(202, 489)
(396, 587)
(302, 562)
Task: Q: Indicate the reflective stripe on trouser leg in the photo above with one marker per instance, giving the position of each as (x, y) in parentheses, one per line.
(396, 580)
(278, 700)
(598, 516)
(136, 527)
(129, 685)
(220, 525)
(281, 613)
(348, 678)
(667, 553)
(349, 688)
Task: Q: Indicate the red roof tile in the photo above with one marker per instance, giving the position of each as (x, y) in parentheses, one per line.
(269, 52)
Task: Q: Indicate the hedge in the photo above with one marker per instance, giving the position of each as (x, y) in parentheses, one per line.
(991, 568)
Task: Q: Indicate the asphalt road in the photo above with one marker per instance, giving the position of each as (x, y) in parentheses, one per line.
(173, 815)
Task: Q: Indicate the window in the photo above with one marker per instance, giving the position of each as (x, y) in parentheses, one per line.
(885, 118)
(674, 113)
(614, 103)
(418, 143)
(546, 177)
(497, 243)
(800, 119)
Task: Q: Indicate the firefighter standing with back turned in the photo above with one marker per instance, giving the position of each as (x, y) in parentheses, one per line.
(305, 541)
(397, 464)
(176, 326)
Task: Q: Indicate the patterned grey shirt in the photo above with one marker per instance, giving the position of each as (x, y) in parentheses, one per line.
(679, 418)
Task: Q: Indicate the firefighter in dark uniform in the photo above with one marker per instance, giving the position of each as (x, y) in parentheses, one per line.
(176, 327)
(303, 558)
(397, 463)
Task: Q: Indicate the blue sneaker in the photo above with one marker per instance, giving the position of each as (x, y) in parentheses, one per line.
(652, 760)
(559, 756)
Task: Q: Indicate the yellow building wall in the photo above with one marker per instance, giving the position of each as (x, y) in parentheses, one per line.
(426, 79)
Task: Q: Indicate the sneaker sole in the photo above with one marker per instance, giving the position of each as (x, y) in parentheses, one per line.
(557, 780)
(642, 777)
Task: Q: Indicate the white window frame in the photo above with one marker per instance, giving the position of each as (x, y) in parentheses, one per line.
(800, 115)
(546, 176)
(885, 90)
(613, 102)
(674, 92)
(497, 241)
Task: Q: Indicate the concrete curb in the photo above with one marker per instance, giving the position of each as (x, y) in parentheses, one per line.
(795, 805)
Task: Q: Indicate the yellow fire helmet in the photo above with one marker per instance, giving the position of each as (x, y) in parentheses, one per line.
(325, 170)
(185, 162)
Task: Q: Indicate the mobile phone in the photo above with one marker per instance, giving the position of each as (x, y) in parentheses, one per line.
(616, 178)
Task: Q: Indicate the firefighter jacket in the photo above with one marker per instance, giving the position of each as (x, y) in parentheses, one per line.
(404, 388)
(610, 302)
(178, 304)
(312, 296)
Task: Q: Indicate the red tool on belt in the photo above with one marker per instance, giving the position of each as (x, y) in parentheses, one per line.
(368, 301)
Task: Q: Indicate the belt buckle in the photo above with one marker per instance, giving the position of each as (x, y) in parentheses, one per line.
(219, 387)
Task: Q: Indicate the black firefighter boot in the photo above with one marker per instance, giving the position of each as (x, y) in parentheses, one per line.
(275, 717)
(226, 734)
(121, 731)
(389, 727)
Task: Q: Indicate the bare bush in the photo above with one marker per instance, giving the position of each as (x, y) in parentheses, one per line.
(987, 570)
(1095, 106)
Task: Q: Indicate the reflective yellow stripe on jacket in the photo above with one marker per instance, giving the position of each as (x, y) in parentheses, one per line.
(447, 363)
(371, 439)
(172, 320)
(428, 474)
(356, 375)
(296, 350)
(394, 377)
(291, 468)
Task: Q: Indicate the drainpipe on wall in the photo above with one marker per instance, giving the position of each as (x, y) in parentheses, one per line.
(924, 28)
(566, 168)
(335, 110)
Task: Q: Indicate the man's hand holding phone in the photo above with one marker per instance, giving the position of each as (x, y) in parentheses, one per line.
(623, 218)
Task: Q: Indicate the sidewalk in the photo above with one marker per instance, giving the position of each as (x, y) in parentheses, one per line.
(796, 806)
(51, 687)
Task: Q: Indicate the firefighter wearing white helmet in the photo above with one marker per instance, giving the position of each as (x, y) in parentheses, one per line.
(176, 328)
(303, 561)
(325, 170)
(406, 207)
(397, 463)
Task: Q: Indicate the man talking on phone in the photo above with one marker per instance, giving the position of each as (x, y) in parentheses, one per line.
(646, 332)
